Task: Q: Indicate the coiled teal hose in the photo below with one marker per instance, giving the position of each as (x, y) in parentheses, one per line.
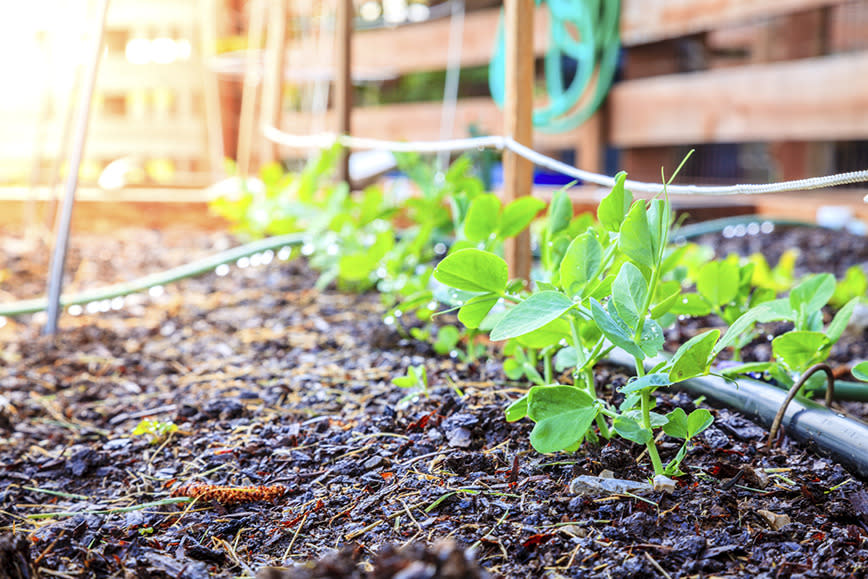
(595, 50)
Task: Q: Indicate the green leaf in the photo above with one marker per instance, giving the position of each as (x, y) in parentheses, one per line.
(693, 357)
(473, 270)
(635, 237)
(581, 263)
(482, 218)
(773, 311)
(566, 358)
(658, 214)
(517, 410)
(535, 312)
(747, 368)
(654, 380)
(614, 328)
(676, 425)
(629, 291)
(548, 335)
(840, 321)
(860, 371)
(474, 311)
(631, 430)
(447, 339)
(691, 305)
(513, 369)
(518, 215)
(665, 298)
(614, 206)
(651, 340)
(813, 293)
(563, 414)
(799, 349)
(699, 420)
(718, 282)
(560, 211)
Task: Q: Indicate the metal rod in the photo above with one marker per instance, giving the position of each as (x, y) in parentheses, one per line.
(58, 258)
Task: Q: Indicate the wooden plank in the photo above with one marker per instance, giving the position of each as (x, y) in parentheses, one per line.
(421, 121)
(518, 123)
(812, 99)
(110, 138)
(644, 21)
(119, 76)
(385, 51)
(130, 13)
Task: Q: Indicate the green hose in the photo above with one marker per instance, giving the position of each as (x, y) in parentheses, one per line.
(718, 225)
(596, 49)
(198, 267)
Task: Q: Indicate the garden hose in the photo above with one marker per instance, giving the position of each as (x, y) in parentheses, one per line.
(198, 267)
(719, 225)
(845, 439)
(595, 50)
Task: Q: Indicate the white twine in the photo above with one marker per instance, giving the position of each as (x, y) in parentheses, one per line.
(326, 140)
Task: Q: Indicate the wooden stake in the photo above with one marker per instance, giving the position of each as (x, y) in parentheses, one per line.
(272, 81)
(250, 93)
(518, 113)
(343, 77)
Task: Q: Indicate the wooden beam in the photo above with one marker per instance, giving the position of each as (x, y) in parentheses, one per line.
(518, 113)
(812, 99)
(644, 21)
(343, 78)
(385, 51)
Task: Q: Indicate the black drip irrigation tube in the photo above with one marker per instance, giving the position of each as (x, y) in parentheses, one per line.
(833, 434)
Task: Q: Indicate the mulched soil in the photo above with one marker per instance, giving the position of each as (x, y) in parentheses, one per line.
(285, 390)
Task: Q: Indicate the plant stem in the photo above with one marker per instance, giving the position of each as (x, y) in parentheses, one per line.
(646, 422)
(547, 366)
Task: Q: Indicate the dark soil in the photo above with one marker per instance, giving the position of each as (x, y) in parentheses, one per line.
(285, 390)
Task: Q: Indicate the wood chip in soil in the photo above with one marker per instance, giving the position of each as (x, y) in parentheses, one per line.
(282, 398)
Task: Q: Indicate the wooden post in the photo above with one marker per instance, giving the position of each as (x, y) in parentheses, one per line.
(518, 116)
(208, 44)
(252, 75)
(272, 80)
(343, 78)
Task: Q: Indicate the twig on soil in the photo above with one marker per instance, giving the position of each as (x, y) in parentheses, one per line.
(294, 536)
(491, 530)
(358, 532)
(50, 546)
(230, 551)
(657, 566)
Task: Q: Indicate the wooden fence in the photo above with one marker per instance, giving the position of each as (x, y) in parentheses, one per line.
(153, 98)
(790, 74)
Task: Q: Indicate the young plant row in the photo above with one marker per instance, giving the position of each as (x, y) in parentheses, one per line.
(611, 282)
(615, 284)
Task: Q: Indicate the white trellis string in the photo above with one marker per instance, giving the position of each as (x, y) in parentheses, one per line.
(325, 140)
